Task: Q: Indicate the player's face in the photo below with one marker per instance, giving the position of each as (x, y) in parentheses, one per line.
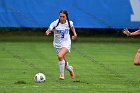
(62, 17)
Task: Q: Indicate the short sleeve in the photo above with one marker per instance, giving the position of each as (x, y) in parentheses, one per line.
(71, 24)
(53, 24)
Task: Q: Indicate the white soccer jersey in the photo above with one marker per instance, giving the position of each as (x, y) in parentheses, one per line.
(61, 34)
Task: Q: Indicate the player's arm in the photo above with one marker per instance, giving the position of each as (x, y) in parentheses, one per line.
(135, 33)
(74, 37)
(48, 31)
(52, 25)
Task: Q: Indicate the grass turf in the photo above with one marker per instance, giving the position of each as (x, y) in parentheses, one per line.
(102, 65)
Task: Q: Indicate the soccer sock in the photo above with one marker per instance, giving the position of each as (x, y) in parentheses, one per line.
(68, 67)
(62, 67)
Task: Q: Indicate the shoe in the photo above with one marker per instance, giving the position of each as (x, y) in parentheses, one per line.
(61, 77)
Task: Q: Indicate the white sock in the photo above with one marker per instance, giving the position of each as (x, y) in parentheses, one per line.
(62, 67)
(68, 67)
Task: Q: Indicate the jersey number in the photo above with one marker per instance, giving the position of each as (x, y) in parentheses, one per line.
(62, 34)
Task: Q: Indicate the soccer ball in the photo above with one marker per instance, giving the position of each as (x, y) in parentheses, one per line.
(39, 78)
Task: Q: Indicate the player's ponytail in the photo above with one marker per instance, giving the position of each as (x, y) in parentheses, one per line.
(58, 22)
(68, 21)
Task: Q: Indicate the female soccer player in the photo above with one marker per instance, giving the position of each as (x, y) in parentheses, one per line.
(62, 41)
(135, 33)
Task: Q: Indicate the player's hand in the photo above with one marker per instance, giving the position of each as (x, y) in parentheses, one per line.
(74, 38)
(126, 32)
(47, 32)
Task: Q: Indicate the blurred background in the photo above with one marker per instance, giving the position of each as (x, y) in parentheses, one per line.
(90, 17)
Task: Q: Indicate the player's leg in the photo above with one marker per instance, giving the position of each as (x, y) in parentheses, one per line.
(69, 68)
(65, 60)
(137, 58)
(63, 51)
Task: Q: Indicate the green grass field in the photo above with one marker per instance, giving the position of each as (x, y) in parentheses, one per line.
(102, 65)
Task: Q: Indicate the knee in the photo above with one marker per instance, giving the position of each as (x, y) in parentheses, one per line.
(60, 57)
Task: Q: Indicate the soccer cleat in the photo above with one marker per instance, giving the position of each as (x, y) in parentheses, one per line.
(72, 73)
(61, 77)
